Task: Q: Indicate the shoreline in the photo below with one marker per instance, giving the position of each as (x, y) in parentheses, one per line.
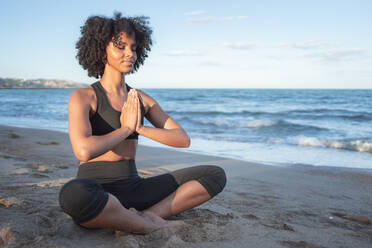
(201, 153)
(261, 206)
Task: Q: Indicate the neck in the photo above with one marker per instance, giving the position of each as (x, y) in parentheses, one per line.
(113, 81)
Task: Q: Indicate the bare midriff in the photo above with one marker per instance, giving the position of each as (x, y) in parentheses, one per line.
(123, 151)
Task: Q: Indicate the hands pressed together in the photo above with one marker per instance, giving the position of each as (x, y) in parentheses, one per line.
(165, 130)
(131, 112)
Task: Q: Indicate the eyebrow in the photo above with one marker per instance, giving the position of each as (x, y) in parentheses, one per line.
(124, 43)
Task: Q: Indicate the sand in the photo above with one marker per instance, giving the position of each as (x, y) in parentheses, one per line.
(261, 206)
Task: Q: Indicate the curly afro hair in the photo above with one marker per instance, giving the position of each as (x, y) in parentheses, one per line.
(97, 33)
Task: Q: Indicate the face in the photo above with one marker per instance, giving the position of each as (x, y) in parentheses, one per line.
(121, 54)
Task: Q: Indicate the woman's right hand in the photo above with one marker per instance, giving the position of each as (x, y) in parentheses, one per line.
(128, 117)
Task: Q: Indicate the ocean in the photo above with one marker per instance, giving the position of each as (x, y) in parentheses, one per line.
(272, 126)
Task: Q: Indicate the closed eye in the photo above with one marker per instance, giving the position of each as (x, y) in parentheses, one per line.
(134, 49)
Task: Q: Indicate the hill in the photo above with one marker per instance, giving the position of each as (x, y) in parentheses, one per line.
(19, 83)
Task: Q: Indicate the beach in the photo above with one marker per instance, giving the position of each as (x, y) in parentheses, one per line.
(261, 206)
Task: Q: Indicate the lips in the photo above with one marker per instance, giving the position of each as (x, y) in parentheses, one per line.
(128, 62)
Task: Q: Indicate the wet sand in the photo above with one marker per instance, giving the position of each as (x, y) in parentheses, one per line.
(261, 206)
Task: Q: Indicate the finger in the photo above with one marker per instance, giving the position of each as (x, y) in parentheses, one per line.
(133, 104)
(139, 114)
(135, 113)
(133, 96)
(139, 107)
(130, 98)
(130, 94)
(134, 92)
(134, 100)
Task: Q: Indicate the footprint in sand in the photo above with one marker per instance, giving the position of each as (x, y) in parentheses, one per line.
(277, 225)
(48, 143)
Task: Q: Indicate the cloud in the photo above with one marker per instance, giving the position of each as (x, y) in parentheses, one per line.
(194, 13)
(307, 45)
(184, 53)
(239, 45)
(215, 19)
(339, 55)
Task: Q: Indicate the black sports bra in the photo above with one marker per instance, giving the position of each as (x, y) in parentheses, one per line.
(106, 119)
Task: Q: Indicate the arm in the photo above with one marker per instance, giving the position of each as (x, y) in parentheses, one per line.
(84, 144)
(166, 130)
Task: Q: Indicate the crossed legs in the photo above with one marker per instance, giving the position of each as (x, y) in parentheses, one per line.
(91, 206)
(115, 216)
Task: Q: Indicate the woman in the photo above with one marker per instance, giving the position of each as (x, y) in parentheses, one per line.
(105, 120)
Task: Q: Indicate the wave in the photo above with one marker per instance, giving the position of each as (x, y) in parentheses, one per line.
(215, 113)
(327, 114)
(258, 123)
(266, 125)
(358, 145)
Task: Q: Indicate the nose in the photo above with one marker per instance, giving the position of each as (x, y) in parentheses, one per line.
(129, 53)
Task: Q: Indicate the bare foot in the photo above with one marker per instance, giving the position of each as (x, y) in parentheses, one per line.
(160, 221)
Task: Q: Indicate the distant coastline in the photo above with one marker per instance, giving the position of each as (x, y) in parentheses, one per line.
(19, 83)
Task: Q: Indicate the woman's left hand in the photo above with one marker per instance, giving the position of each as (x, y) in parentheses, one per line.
(139, 113)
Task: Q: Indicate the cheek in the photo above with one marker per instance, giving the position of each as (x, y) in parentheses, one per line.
(113, 54)
(116, 54)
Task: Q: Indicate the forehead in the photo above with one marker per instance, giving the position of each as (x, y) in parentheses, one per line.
(124, 37)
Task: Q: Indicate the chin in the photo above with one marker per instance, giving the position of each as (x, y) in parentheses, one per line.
(126, 70)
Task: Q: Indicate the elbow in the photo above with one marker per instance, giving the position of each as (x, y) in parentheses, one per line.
(181, 143)
(186, 142)
(83, 155)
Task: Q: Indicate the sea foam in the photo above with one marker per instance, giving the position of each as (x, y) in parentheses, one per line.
(351, 145)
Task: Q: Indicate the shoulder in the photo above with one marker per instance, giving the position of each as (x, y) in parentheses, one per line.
(83, 96)
(82, 93)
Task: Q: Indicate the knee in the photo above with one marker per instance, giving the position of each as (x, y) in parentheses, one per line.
(82, 199)
(215, 180)
(220, 177)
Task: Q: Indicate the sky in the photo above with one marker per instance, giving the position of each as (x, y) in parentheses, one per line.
(202, 43)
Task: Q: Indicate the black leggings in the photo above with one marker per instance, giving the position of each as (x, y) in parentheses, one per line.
(84, 198)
